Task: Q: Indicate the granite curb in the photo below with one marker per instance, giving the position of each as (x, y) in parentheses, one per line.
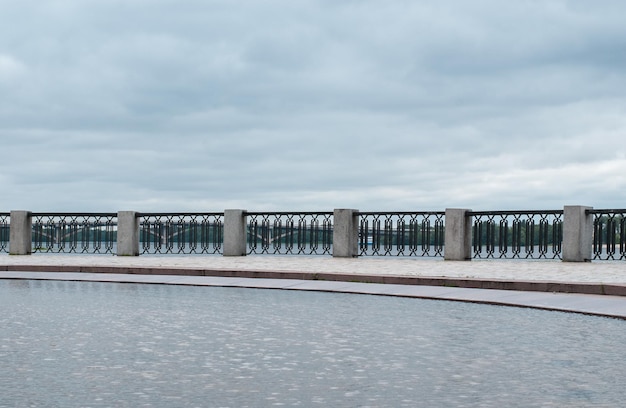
(455, 282)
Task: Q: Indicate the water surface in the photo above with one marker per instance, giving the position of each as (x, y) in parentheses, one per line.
(84, 344)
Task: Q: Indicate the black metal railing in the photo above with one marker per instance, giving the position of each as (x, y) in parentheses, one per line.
(181, 233)
(5, 222)
(287, 233)
(609, 234)
(93, 233)
(517, 234)
(533, 234)
(418, 234)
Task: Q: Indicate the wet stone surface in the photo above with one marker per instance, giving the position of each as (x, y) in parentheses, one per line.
(130, 345)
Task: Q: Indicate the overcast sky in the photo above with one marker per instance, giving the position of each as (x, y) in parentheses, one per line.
(202, 105)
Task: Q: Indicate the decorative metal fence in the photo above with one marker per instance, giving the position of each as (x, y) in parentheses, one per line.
(5, 219)
(287, 233)
(181, 233)
(517, 234)
(401, 234)
(495, 234)
(93, 233)
(609, 234)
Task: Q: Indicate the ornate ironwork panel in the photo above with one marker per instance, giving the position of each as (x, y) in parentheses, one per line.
(5, 220)
(290, 233)
(401, 234)
(517, 234)
(91, 233)
(181, 233)
(609, 234)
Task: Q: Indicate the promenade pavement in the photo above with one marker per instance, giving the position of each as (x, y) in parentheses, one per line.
(597, 288)
(608, 272)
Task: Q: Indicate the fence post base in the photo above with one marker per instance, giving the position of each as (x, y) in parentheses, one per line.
(235, 235)
(458, 235)
(20, 233)
(577, 233)
(127, 233)
(345, 233)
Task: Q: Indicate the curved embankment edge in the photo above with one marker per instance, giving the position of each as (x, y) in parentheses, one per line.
(587, 288)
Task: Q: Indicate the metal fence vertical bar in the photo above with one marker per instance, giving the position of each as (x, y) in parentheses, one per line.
(609, 234)
(5, 231)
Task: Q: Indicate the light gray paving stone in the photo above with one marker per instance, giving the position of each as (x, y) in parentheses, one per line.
(598, 271)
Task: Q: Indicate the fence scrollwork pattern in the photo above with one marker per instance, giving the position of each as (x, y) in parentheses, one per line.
(5, 220)
(181, 233)
(93, 233)
(517, 234)
(401, 234)
(290, 233)
(609, 234)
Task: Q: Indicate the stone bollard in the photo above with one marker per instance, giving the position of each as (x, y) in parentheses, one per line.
(235, 234)
(127, 233)
(345, 233)
(458, 235)
(577, 233)
(20, 233)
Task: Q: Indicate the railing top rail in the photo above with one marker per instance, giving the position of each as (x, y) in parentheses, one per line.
(5, 214)
(288, 213)
(178, 214)
(515, 212)
(605, 211)
(72, 214)
(401, 213)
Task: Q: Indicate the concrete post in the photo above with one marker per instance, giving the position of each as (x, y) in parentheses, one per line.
(458, 235)
(577, 233)
(20, 233)
(235, 234)
(345, 233)
(127, 233)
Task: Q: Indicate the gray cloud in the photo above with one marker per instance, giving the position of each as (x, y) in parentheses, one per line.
(203, 105)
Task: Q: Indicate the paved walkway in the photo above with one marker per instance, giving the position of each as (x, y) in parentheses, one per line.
(528, 283)
(608, 272)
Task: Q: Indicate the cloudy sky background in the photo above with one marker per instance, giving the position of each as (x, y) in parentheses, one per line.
(202, 105)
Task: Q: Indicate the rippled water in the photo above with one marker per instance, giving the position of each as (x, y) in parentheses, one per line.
(74, 344)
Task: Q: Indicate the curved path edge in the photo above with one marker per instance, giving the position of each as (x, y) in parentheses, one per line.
(586, 303)
(588, 288)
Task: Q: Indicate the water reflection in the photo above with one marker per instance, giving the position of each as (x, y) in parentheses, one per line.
(107, 344)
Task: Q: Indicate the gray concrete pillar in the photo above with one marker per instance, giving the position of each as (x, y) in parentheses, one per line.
(20, 233)
(127, 233)
(345, 233)
(235, 234)
(577, 233)
(458, 235)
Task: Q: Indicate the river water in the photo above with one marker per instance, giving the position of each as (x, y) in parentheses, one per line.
(80, 344)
